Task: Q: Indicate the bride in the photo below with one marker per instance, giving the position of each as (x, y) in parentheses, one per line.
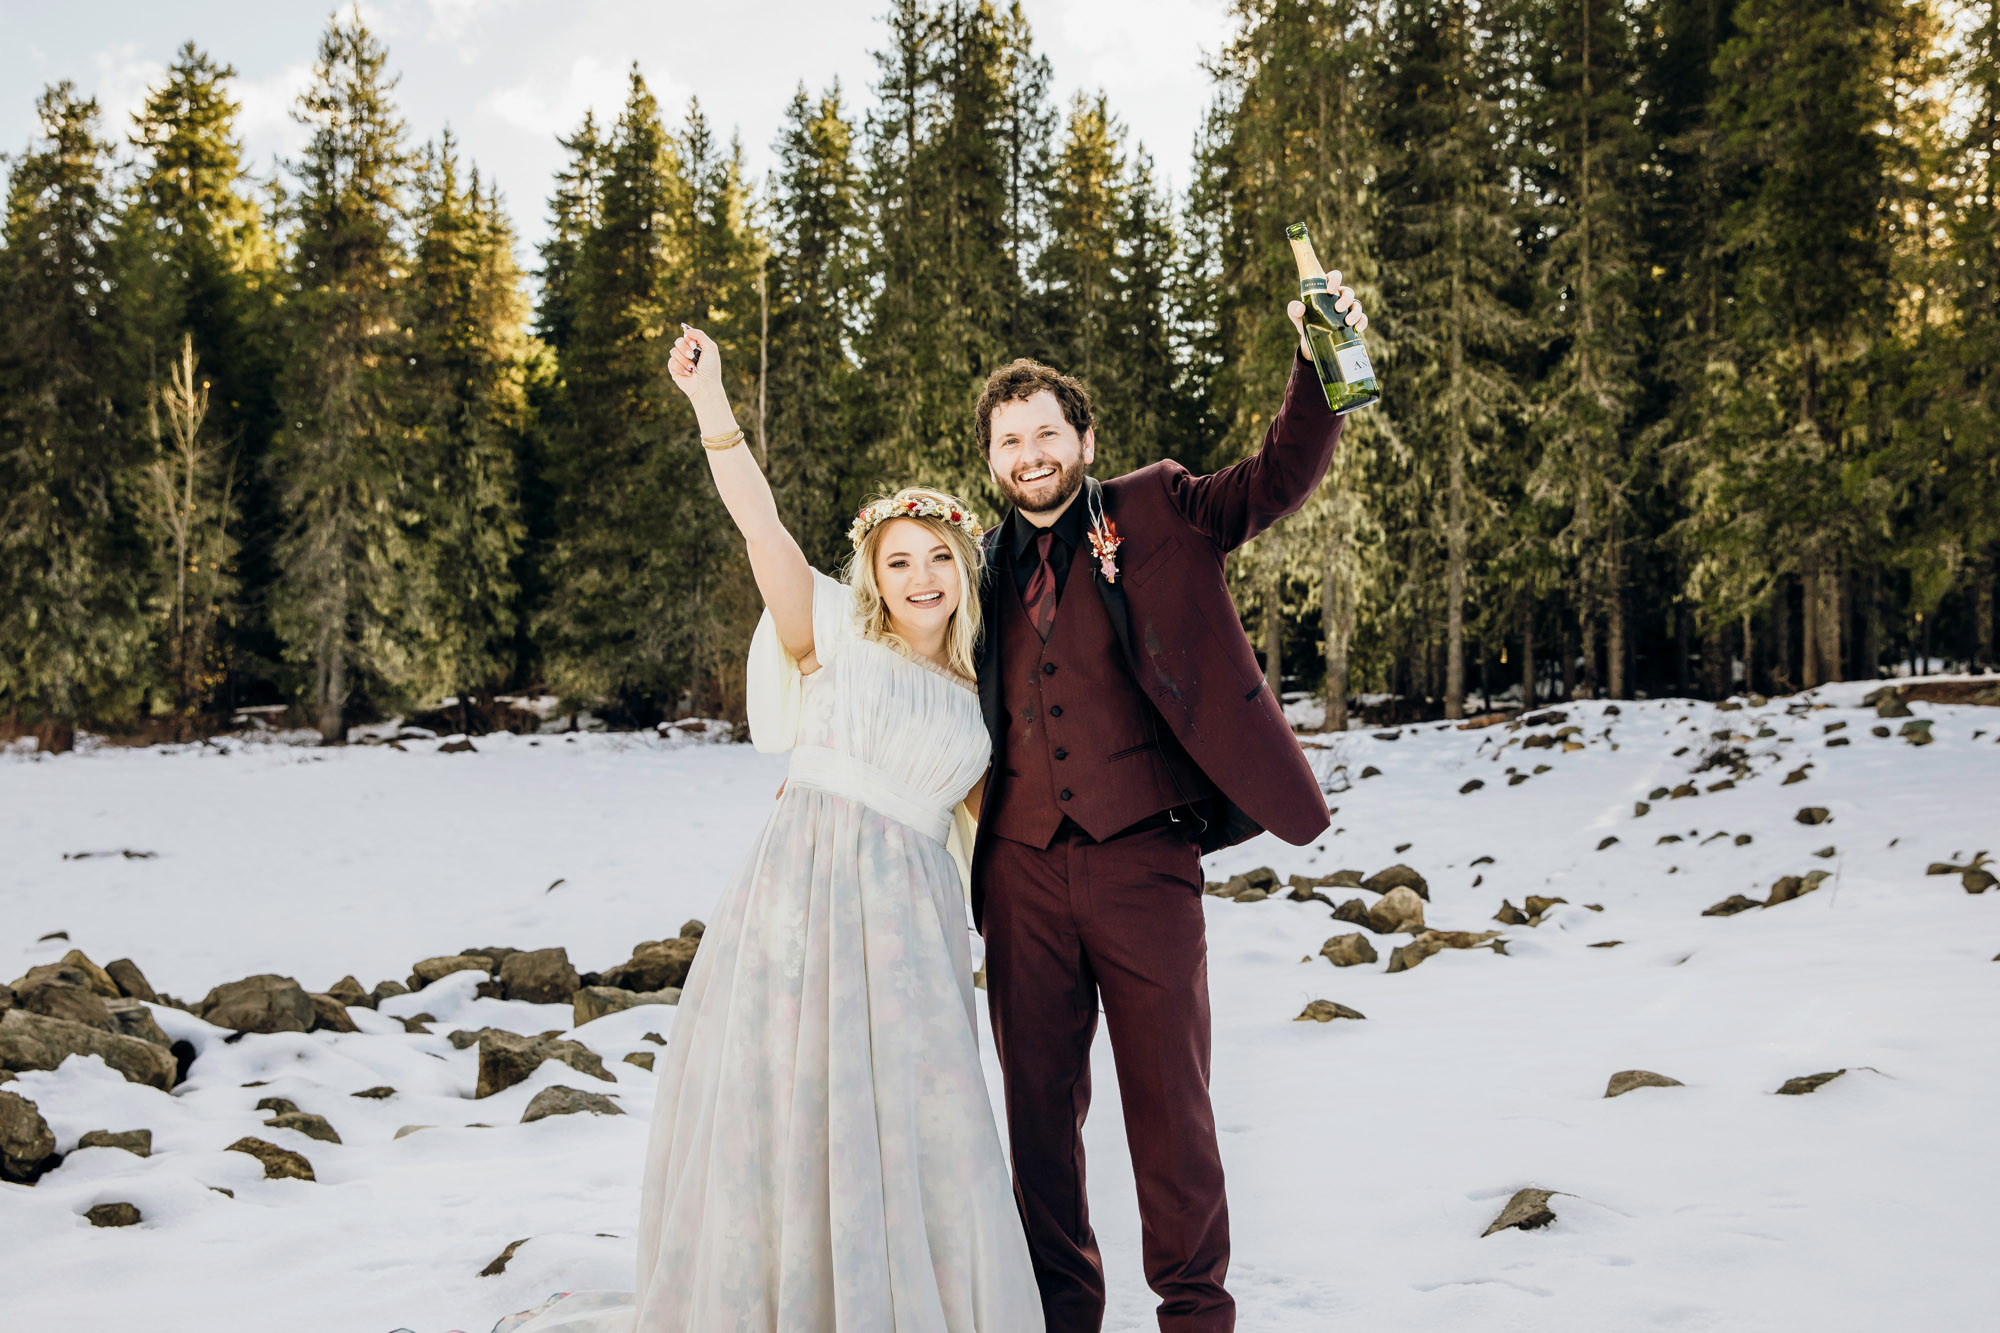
(823, 1154)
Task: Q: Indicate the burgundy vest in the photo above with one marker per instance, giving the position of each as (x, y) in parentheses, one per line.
(1081, 739)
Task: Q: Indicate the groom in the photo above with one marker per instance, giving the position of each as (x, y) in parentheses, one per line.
(1132, 732)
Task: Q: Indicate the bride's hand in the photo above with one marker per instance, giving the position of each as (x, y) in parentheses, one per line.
(697, 378)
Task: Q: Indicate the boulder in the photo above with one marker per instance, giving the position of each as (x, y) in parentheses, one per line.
(138, 1142)
(1889, 705)
(35, 1041)
(506, 1058)
(1253, 895)
(1474, 785)
(1348, 950)
(539, 976)
(1398, 876)
(1609, 841)
(27, 1147)
(643, 1059)
(263, 1003)
(1342, 879)
(1796, 775)
(1527, 1210)
(1325, 1011)
(496, 954)
(1407, 956)
(348, 993)
(1396, 911)
(6, 997)
(1813, 814)
(1917, 731)
(1510, 915)
(279, 1163)
(1354, 910)
(329, 1014)
(1977, 879)
(278, 1105)
(114, 1215)
(1640, 809)
(1805, 1083)
(58, 991)
(131, 982)
(306, 1123)
(385, 989)
(434, 969)
(1794, 886)
(560, 1100)
(657, 965)
(1625, 1080)
(592, 1002)
(1537, 907)
(376, 1093)
(99, 980)
(692, 930)
(132, 1018)
(1731, 905)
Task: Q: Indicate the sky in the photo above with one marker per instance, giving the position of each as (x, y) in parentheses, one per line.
(508, 76)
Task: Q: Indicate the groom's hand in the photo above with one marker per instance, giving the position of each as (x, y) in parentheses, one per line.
(1344, 301)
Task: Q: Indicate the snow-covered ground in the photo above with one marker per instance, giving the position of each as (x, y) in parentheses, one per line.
(1364, 1158)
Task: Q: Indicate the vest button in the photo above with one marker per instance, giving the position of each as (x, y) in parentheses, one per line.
(1048, 668)
(1065, 793)
(1055, 710)
(1062, 754)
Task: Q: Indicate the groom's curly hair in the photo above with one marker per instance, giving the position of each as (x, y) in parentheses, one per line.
(1020, 380)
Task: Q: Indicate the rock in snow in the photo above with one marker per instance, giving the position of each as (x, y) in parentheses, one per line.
(1627, 1079)
(1527, 1210)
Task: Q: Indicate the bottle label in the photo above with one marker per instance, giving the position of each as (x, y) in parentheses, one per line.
(1353, 362)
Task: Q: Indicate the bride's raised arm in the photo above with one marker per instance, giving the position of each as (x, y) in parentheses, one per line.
(783, 576)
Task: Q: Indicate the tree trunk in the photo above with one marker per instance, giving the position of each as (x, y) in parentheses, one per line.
(1749, 655)
(1809, 622)
(1568, 645)
(1528, 654)
(1274, 612)
(333, 691)
(1614, 620)
(1984, 651)
(1871, 624)
(1714, 664)
(1337, 608)
(1781, 639)
(1683, 649)
(1828, 634)
(1587, 630)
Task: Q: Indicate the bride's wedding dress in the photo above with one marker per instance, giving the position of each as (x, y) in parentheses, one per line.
(823, 1153)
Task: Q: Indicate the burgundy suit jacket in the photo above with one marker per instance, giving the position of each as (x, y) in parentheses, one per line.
(1178, 627)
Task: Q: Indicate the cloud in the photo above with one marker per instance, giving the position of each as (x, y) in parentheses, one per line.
(266, 125)
(553, 104)
(123, 79)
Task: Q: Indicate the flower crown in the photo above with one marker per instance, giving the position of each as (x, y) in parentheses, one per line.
(904, 504)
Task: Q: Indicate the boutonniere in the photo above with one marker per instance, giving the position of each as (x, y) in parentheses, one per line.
(1104, 544)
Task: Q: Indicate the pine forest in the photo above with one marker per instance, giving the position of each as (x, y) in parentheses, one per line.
(1686, 313)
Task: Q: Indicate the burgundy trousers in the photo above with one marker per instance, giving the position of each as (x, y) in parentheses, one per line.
(1119, 922)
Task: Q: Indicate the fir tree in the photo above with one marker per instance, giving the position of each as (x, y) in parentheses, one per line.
(350, 598)
(72, 562)
(1452, 217)
(818, 287)
(198, 270)
(466, 312)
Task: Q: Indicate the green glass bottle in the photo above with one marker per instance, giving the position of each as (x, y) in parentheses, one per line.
(1337, 350)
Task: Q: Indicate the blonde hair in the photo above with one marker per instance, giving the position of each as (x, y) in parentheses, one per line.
(961, 635)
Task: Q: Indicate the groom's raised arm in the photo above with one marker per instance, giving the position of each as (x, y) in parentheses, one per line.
(1240, 501)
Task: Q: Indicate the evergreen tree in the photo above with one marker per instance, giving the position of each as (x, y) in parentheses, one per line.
(817, 289)
(1586, 171)
(351, 597)
(72, 562)
(574, 212)
(466, 314)
(198, 271)
(1451, 220)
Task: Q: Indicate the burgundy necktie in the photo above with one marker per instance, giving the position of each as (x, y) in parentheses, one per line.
(1040, 599)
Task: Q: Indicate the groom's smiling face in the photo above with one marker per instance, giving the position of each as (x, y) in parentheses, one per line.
(1037, 458)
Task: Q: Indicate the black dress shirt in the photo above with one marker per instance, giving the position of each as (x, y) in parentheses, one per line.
(1069, 531)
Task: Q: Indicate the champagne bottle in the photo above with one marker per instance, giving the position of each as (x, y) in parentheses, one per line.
(1337, 350)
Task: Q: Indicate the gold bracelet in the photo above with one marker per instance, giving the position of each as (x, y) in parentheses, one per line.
(717, 443)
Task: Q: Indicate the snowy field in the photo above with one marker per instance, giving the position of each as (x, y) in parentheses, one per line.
(1365, 1158)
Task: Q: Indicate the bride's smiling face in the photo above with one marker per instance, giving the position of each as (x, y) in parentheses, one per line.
(918, 577)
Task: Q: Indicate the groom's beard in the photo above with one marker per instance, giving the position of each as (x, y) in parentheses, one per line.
(1047, 494)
